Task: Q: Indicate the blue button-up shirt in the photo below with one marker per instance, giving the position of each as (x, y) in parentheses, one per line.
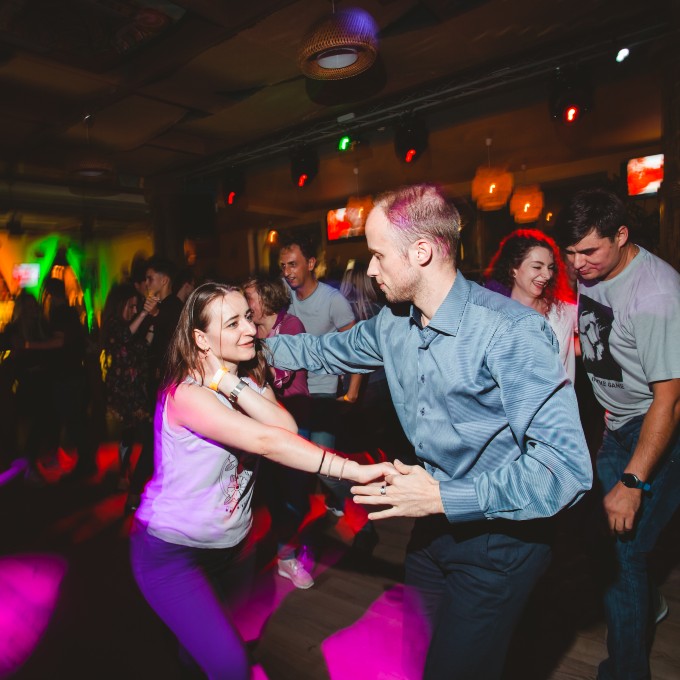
(481, 395)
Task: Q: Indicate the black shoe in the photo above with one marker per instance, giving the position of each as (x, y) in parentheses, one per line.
(365, 541)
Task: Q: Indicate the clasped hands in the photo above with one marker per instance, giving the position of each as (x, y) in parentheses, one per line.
(403, 491)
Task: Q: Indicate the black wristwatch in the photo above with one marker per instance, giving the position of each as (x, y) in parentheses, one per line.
(633, 482)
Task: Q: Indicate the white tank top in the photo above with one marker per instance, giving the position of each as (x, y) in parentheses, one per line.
(200, 492)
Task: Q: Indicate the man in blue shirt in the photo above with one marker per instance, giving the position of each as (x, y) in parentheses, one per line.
(482, 396)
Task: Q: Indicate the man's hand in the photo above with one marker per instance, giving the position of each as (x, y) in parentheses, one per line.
(151, 306)
(621, 505)
(412, 492)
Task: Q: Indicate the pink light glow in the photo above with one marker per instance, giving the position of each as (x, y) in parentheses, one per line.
(377, 642)
(29, 586)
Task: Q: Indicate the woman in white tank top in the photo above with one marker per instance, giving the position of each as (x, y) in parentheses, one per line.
(214, 418)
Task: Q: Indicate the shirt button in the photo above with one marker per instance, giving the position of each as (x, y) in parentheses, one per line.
(420, 445)
(422, 378)
(422, 411)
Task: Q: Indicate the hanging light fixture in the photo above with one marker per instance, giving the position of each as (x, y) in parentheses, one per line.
(491, 186)
(341, 45)
(91, 165)
(526, 203)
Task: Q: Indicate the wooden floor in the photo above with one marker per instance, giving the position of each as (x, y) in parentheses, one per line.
(347, 627)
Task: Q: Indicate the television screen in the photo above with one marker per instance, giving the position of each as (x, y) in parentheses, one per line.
(644, 175)
(348, 222)
(27, 275)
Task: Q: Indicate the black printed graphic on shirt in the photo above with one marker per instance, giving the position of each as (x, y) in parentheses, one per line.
(595, 326)
(236, 478)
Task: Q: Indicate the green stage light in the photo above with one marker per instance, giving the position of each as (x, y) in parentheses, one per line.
(344, 143)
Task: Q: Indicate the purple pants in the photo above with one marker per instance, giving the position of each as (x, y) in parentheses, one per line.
(187, 587)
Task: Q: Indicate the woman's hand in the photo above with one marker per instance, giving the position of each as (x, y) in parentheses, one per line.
(364, 474)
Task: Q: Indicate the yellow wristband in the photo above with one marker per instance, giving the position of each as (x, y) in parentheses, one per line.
(215, 382)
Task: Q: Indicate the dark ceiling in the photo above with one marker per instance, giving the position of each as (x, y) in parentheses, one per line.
(184, 90)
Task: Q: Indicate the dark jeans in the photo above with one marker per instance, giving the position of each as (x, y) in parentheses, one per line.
(186, 587)
(472, 581)
(287, 494)
(323, 420)
(629, 609)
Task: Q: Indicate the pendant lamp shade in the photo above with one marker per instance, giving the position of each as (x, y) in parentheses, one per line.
(341, 45)
(526, 204)
(492, 187)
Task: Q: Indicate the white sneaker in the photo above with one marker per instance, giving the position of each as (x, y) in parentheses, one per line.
(335, 511)
(294, 571)
(661, 609)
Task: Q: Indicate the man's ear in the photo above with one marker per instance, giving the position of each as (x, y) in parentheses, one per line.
(421, 252)
(311, 263)
(622, 235)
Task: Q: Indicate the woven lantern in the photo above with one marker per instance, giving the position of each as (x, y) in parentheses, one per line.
(526, 204)
(342, 45)
(92, 166)
(492, 187)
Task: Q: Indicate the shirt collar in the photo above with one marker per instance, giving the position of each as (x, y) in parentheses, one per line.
(449, 314)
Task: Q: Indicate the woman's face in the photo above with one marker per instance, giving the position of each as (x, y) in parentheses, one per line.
(130, 309)
(535, 272)
(231, 331)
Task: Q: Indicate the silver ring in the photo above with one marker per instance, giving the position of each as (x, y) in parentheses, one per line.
(383, 490)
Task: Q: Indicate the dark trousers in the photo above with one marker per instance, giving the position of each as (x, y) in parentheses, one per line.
(471, 581)
(629, 593)
(187, 587)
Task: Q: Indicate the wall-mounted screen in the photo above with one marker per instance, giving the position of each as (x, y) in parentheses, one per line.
(27, 275)
(350, 221)
(644, 175)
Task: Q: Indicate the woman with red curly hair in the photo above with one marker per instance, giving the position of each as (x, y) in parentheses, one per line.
(528, 268)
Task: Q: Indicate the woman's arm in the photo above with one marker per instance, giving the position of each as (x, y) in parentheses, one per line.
(353, 389)
(150, 305)
(260, 407)
(195, 408)
(55, 342)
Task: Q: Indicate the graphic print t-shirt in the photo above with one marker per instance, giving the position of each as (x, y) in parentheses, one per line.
(200, 493)
(629, 328)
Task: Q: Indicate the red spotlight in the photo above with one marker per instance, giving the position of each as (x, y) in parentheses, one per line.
(410, 139)
(304, 165)
(572, 114)
(571, 96)
(233, 185)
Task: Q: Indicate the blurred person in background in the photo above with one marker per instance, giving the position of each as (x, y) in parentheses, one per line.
(127, 370)
(69, 391)
(157, 327)
(287, 490)
(30, 371)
